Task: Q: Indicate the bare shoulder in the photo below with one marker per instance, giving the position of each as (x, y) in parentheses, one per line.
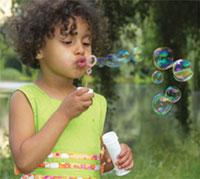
(21, 120)
(19, 104)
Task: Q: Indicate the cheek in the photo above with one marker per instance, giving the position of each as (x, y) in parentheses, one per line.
(62, 57)
(89, 51)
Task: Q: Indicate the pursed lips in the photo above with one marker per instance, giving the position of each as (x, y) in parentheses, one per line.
(81, 62)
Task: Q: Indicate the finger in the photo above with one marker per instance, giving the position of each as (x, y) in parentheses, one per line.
(87, 96)
(131, 166)
(125, 164)
(81, 90)
(102, 152)
(124, 150)
(123, 154)
(86, 104)
(109, 160)
(124, 159)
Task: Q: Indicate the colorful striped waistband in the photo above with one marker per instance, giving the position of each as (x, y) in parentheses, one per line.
(69, 165)
(31, 176)
(73, 156)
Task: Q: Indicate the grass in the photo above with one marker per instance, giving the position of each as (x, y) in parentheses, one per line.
(155, 161)
(164, 162)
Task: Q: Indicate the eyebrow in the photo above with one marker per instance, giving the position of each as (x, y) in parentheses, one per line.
(63, 37)
(87, 35)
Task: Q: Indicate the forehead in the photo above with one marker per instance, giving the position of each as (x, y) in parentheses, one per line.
(76, 25)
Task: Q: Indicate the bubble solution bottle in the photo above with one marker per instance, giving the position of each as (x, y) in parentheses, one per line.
(110, 140)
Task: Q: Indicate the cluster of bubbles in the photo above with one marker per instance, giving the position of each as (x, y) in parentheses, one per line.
(122, 56)
(162, 103)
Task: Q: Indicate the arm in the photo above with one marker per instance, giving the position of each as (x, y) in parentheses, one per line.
(23, 139)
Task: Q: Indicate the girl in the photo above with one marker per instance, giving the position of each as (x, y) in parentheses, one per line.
(55, 128)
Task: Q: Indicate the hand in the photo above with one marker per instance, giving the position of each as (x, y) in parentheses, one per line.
(76, 102)
(125, 158)
(106, 161)
(104, 155)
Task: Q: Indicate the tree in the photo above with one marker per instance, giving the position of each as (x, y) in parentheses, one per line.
(174, 19)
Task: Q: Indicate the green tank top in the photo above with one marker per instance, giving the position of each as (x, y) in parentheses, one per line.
(77, 151)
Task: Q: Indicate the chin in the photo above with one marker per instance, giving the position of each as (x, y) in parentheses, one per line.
(78, 76)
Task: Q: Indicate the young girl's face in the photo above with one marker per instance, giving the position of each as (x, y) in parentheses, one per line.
(62, 55)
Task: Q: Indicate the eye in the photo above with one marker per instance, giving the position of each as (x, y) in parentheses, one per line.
(67, 42)
(87, 43)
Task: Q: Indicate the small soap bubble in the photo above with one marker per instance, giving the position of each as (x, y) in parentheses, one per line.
(111, 61)
(137, 54)
(157, 77)
(182, 70)
(89, 71)
(132, 59)
(163, 58)
(101, 61)
(122, 56)
(161, 104)
(173, 94)
(92, 60)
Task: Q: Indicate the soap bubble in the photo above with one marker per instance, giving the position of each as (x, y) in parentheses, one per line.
(182, 70)
(101, 61)
(163, 58)
(92, 60)
(136, 54)
(173, 94)
(122, 56)
(111, 61)
(161, 104)
(89, 71)
(157, 77)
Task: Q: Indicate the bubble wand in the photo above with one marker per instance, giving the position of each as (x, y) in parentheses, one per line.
(88, 63)
(91, 61)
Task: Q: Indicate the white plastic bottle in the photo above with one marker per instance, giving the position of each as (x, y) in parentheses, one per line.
(110, 140)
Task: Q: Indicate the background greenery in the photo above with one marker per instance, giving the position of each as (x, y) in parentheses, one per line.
(164, 147)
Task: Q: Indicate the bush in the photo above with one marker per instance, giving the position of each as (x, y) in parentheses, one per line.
(11, 74)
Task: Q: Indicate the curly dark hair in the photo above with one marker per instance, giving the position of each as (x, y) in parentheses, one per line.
(35, 20)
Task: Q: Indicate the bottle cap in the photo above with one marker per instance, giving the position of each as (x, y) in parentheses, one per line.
(90, 90)
(109, 137)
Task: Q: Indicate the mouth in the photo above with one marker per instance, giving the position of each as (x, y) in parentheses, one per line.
(81, 62)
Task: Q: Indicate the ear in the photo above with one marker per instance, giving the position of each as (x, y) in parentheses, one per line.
(39, 55)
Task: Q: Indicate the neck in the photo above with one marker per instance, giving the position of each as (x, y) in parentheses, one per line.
(56, 88)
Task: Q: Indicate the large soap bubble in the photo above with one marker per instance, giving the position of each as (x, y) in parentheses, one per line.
(161, 104)
(163, 58)
(173, 93)
(182, 70)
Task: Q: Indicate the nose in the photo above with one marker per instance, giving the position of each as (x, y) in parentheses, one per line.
(79, 49)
